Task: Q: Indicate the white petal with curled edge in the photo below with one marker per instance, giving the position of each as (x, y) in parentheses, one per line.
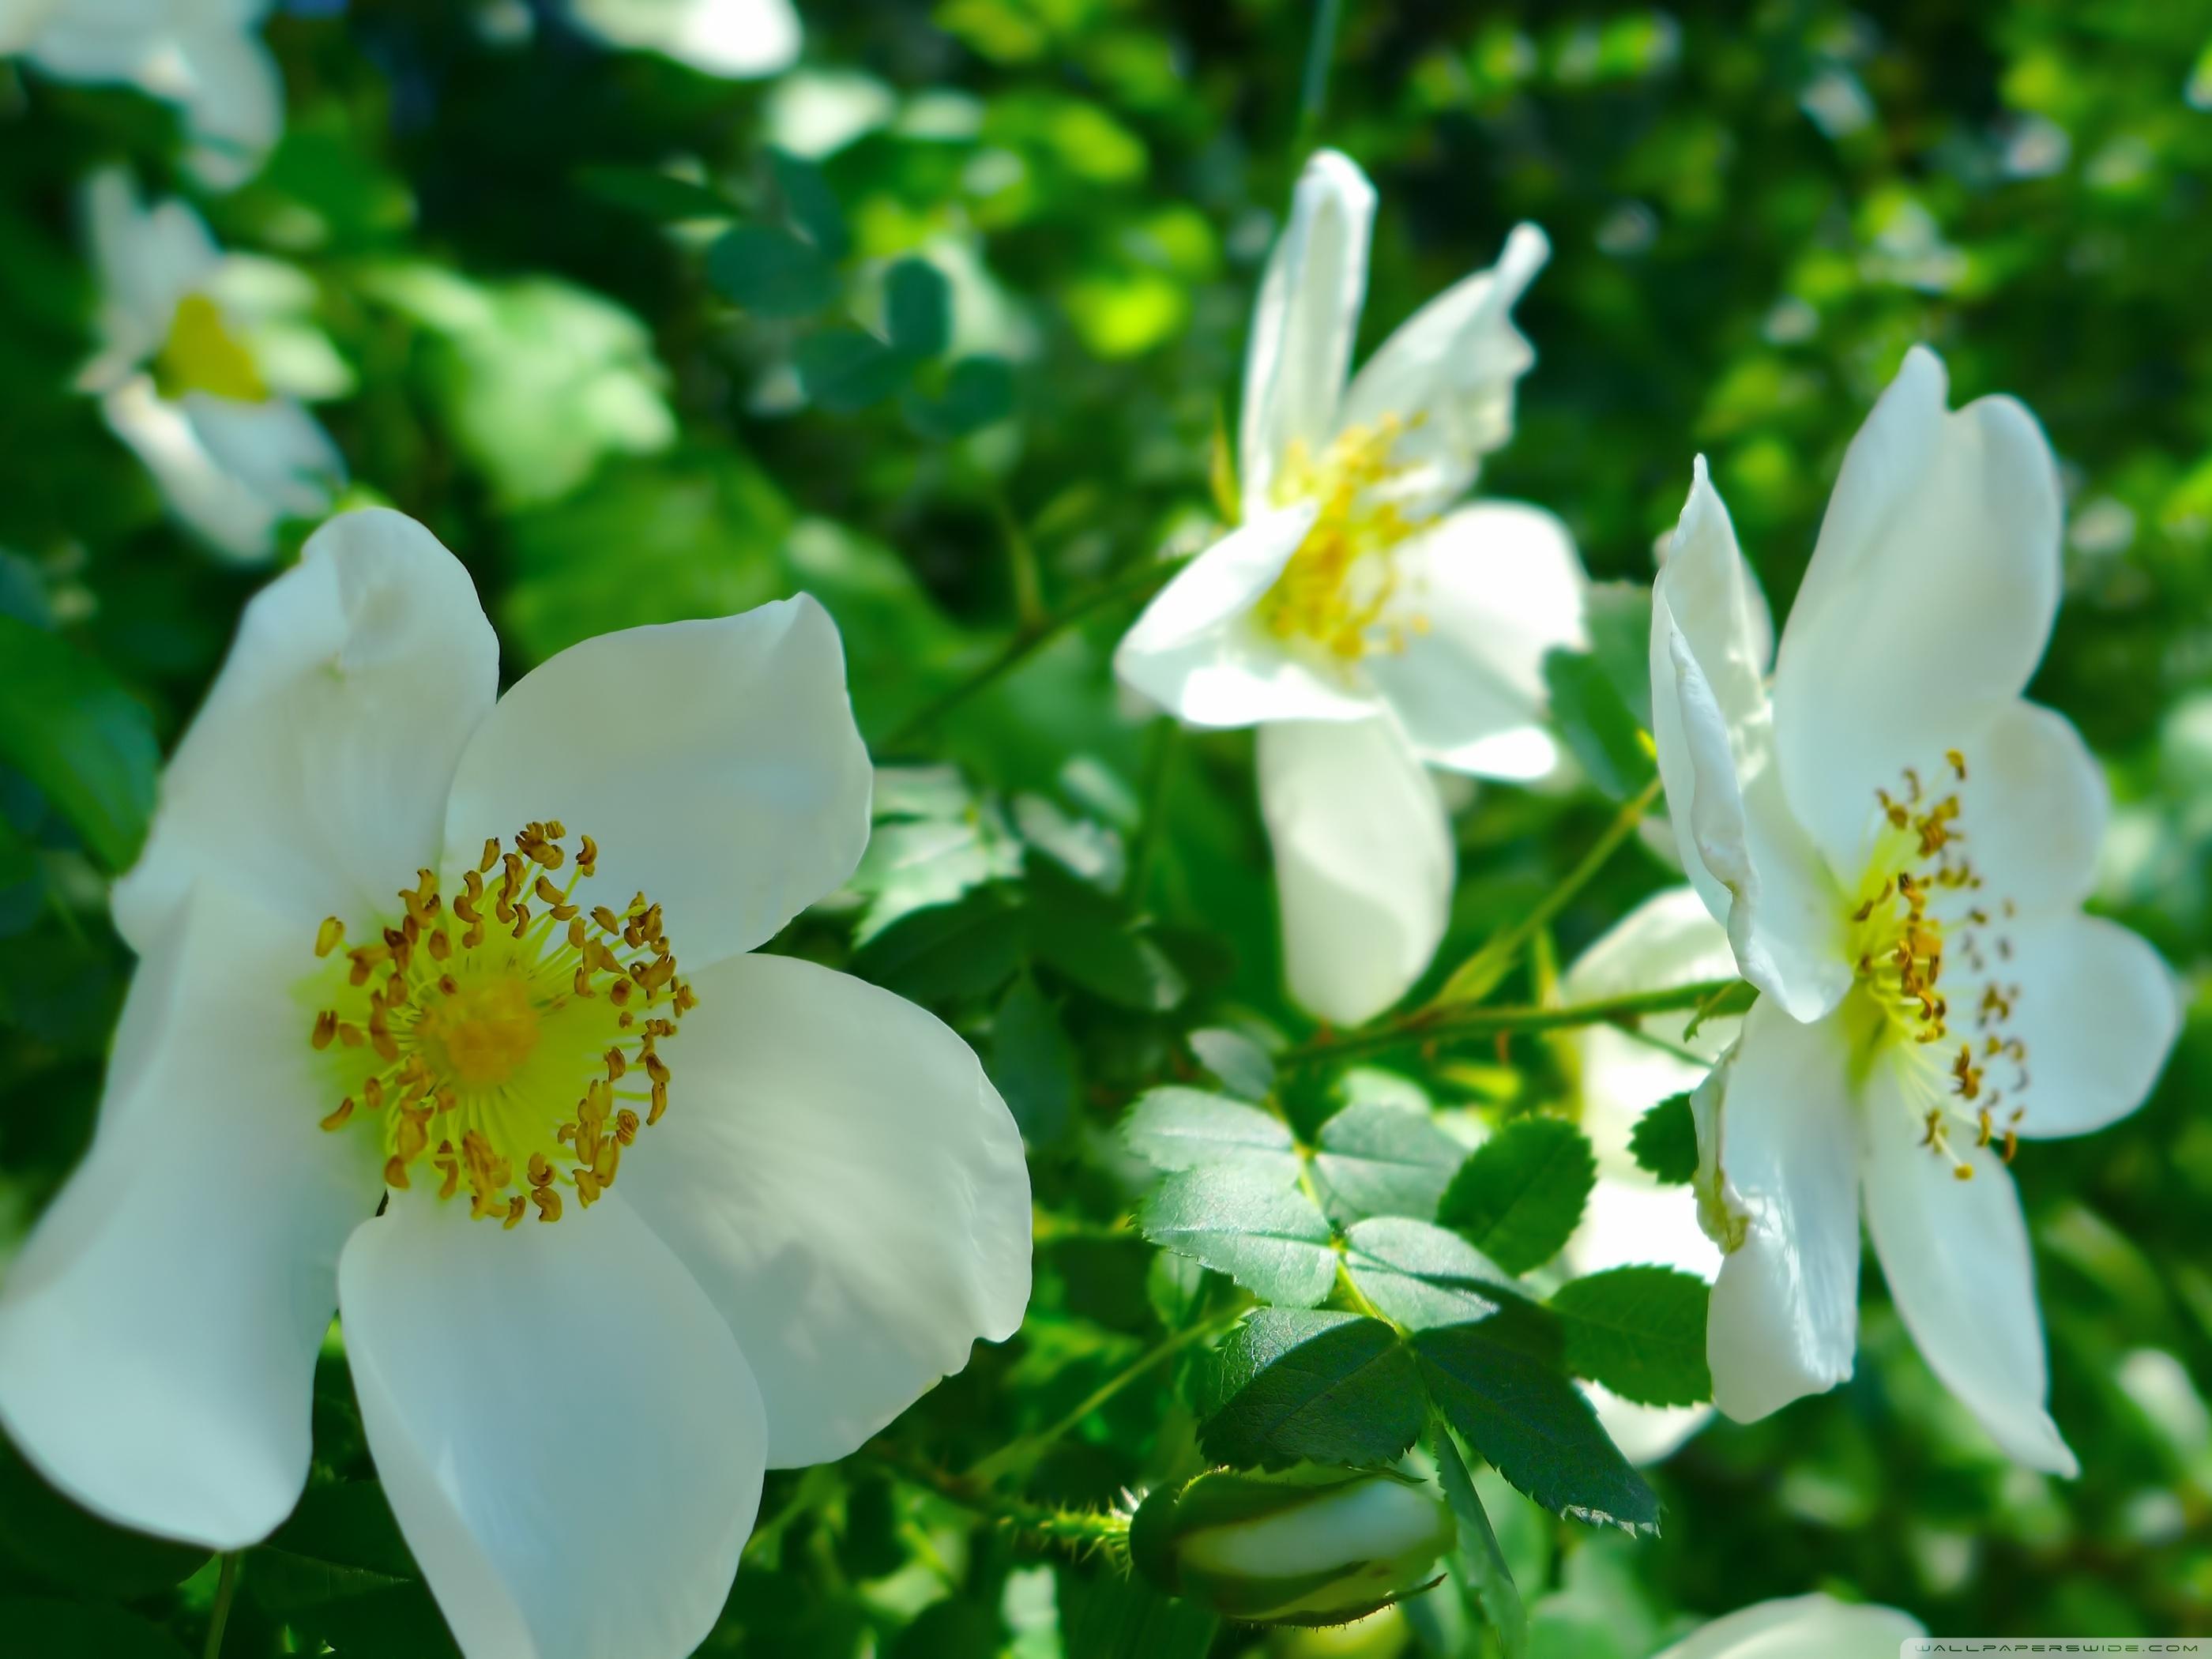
(1754, 867)
(1200, 654)
(158, 1330)
(1928, 602)
(571, 1440)
(715, 764)
(844, 1182)
(1802, 1627)
(1777, 1188)
(1488, 591)
(223, 510)
(736, 39)
(1449, 372)
(232, 96)
(1955, 1255)
(2098, 1012)
(1304, 323)
(314, 777)
(1364, 862)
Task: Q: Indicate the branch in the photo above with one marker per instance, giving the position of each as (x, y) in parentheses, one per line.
(1443, 1024)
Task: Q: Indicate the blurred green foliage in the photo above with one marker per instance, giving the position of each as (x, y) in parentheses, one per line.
(943, 327)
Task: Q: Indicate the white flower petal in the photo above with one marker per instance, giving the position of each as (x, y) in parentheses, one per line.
(715, 764)
(2032, 807)
(1955, 1255)
(1645, 1434)
(232, 96)
(1802, 1627)
(1928, 602)
(1449, 371)
(570, 1438)
(148, 259)
(1200, 653)
(847, 1187)
(737, 39)
(21, 21)
(1752, 865)
(1304, 323)
(1778, 1187)
(2098, 1012)
(158, 1332)
(275, 449)
(314, 777)
(1494, 587)
(1364, 862)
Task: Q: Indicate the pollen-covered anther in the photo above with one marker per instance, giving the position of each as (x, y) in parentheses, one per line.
(1341, 588)
(510, 1043)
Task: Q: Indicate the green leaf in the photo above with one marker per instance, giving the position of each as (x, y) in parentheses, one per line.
(947, 951)
(74, 732)
(1595, 722)
(1032, 1063)
(1085, 935)
(1112, 1615)
(1665, 1140)
(43, 1532)
(1481, 1564)
(652, 194)
(1268, 1237)
(1498, 1384)
(1619, 616)
(39, 1627)
(1640, 1331)
(1293, 1385)
(1520, 1196)
(1241, 1064)
(978, 391)
(845, 371)
(810, 204)
(771, 273)
(1420, 1275)
(339, 1571)
(917, 308)
(1378, 1159)
(1174, 1128)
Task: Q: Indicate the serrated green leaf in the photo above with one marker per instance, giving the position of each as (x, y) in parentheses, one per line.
(947, 951)
(338, 1570)
(1665, 1140)
(917, 308)
(1377, 1159)
(42, 1627)
(1640, 1331)
(771, 272)
(1269, 1238)
(1520, 1196)
(1293, 1385)
(1085, 935)
(1174, 1128)
(1480, 1562)
(1420, 1275)
(844, 371)
(1241, 1064)
(1596, 722)
(1112, 1615)
(1499, 1384)
(1031, 1062)
(67, 725)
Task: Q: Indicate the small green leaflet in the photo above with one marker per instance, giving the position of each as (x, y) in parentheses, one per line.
(1520, 1196)
(67, 725)
(1481, 1564)
(1174, 1128)
(1640, 1331)
(917, 308)
(1377, 1159)
(1294, 1385)
(1238, 1062)
(339, 1571)
(1665, 1140)
(1422, 1276)
(1596, 723)
(844, 370)
(771, 273)
(1243, 1222)
(1032, 1063)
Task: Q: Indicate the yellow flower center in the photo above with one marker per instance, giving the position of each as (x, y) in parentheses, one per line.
(493, 1037)
(203, 355)
(1337, 588)
(1919, 909)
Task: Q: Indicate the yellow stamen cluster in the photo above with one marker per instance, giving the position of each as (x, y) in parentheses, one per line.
(1919, 907)
(489, 1029)
(202, 355)
(1337, 588)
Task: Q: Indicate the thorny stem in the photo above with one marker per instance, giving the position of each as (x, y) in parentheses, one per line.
(1451, 1024)
(1079, 1531)
(226, 1588)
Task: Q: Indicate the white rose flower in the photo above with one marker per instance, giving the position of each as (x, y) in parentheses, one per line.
(1365, 629)
(205, 359)
(1802, 1627)
(444, 1016)
(1900, 847)
(737, 39)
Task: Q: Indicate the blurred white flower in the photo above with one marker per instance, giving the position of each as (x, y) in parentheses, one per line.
(205, 358)
(402, 1040)
(1900, 846)
(1365, 629)
(1802, 1627)
(206, 57)
(738, 39)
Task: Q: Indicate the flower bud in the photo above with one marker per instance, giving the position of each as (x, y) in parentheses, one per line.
(1310, 1546)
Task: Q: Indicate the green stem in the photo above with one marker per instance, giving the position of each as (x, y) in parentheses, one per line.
(1474, 978)
(1459, 1023)
(1313, 92)
(1152, 825)
(1079, 1531)
(226, 1587)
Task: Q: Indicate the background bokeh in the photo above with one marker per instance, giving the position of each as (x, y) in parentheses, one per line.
(519, 245)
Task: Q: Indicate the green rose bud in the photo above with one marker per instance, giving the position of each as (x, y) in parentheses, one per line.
(1310, 1546)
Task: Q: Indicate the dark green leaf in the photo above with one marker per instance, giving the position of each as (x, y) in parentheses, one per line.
(1242, 1222)
(810, 204)
(1499, 1384)
(1174, 1128)
(1293, 1385)
(1111, 1615)
(978, 391)
(917, 308)
(1665, 1140)
(771, 272)
(37, 1627)
(1481, 1564)
(1640, 1331)
(1520, 1196)
(47, 1535)
(653, 195)
(85, 743)
(338, 1570)
(1032, 1063)
(1377, 1159)
(1619, 616)
(845, 371)
(1241, 1064)
(1594, 721)
(947, 951)
(1420, 1275)
(1085, 935)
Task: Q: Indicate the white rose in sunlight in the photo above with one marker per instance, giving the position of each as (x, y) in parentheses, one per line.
(1367, 627)
(738, 39)
(1900, 847)
(1802, 1627)
(1632, 1218)
(446, 1016)
(205, 56)
(205, 359)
